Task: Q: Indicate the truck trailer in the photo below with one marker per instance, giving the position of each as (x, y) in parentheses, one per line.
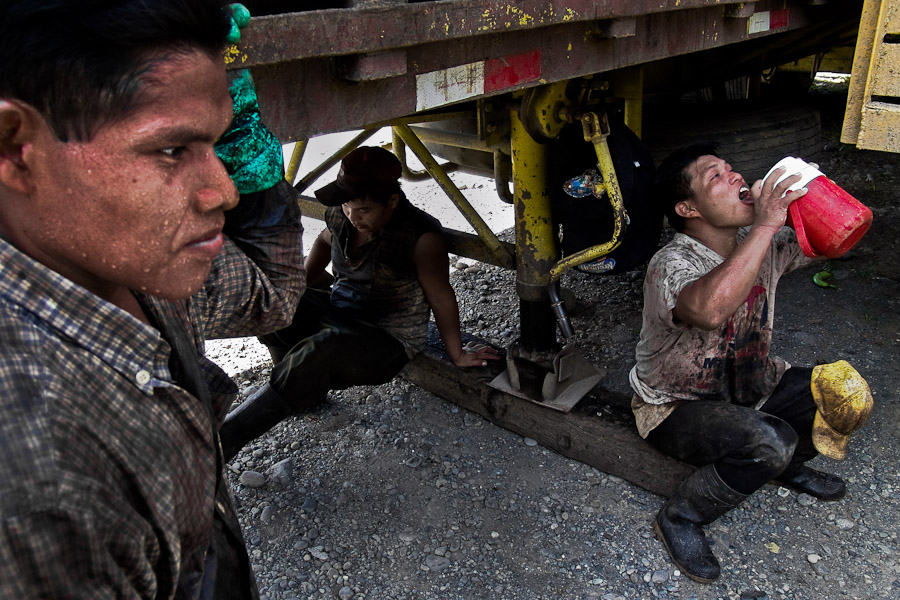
(505, 88)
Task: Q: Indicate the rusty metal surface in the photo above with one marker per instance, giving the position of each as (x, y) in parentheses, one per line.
(297, 35)
(304, 91)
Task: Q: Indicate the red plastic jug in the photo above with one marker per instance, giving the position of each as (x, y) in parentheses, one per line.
(827, 220)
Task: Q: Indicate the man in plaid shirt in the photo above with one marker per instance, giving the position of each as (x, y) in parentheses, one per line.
(123, 245)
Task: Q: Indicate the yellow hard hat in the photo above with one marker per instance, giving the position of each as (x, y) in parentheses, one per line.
(844, 403)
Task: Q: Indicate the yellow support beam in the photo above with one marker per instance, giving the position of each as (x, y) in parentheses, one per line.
(290, 174)
(440, 176)
(536, 250)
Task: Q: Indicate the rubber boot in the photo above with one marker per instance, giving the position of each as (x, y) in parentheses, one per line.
(701, 499)
(252, 418)
(817, 484)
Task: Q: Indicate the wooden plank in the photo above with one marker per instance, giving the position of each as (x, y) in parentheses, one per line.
(884, 70)
(609, 443)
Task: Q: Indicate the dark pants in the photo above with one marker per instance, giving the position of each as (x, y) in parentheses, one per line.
(323, 350)
(747, 447)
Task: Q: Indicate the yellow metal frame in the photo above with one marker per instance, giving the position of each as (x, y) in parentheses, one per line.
(536, 249)
(404, 137)
(440, 176)
(869, 123)
(596, 130)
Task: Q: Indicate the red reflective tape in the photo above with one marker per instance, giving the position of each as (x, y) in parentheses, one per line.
(509, 71)
(779, 18)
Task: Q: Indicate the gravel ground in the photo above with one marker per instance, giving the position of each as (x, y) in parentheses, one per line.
(392, 492)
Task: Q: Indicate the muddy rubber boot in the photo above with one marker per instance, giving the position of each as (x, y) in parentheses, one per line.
(701, 499)
(252, 418)
(817, 484)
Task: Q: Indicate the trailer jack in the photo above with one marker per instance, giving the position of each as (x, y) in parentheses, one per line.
(559, 379)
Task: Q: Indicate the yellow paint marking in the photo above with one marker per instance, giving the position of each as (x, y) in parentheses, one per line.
(524, 19)
(233, 55)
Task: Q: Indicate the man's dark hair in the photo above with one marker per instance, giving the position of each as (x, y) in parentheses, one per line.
(80, 62)
(673, 182)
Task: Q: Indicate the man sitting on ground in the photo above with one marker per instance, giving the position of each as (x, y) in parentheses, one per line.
(391, 270)
(707, 390)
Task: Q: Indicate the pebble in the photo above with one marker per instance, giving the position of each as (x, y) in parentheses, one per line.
(252, 479)
(530, 442)
(346, 593)
(805, 500)
(282, 472)
(267, 514)
(436, 563)
(844, 524)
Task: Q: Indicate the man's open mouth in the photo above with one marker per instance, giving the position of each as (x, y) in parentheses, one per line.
(744, 195)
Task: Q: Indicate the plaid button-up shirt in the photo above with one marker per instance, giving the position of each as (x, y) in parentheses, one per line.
(111, 483)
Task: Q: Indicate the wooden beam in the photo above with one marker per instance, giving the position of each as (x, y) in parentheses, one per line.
(608, 443)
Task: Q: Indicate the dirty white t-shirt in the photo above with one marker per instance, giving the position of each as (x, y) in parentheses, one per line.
(678, 363)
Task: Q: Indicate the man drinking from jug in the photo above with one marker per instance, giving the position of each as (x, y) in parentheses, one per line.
(707, 390)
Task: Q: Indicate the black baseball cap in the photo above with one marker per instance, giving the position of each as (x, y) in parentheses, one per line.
(367, 171)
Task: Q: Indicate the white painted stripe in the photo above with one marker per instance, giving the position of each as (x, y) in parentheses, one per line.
(759, 22)
(438, 88)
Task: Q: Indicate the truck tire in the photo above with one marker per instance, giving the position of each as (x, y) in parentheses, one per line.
(751, 139)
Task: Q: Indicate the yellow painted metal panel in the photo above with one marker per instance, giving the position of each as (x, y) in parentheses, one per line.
(536, 250)
(884, 71)
(890, 16)
(880, 123)
(856, 95)
(880, 129)
(886, 74)
(875, 125)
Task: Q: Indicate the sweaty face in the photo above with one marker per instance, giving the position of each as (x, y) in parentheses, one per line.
(367, 215)
(141, 205)
(720, 195)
